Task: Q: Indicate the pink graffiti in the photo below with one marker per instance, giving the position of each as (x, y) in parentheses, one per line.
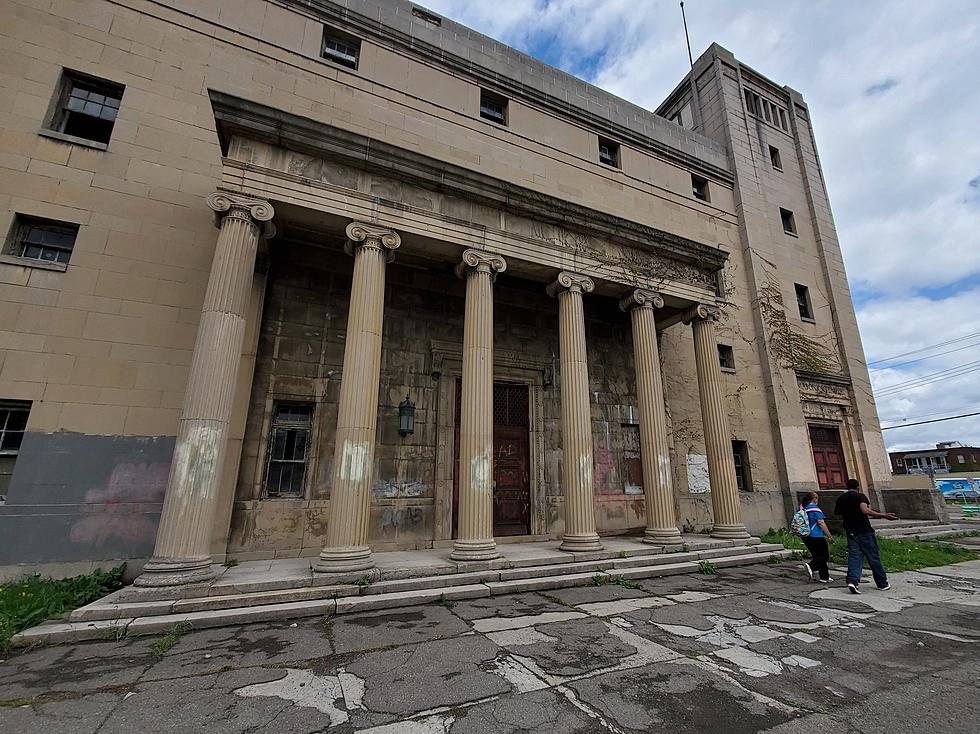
(605, 472)
(121, 510)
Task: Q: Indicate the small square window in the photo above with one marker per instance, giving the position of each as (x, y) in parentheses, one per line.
(777, 162)
(789, 222)
(726, 357)
(42, 239)
(86, 107)
(699, 187)
(493, 107)
(341, 48)
(743, 474)
(803, 302)
(289, 443)
(609, 153)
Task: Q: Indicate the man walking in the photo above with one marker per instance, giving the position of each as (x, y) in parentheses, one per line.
(855, 509)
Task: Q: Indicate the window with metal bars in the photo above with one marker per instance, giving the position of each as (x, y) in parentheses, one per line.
(743, 476)
(289, 442)
(493, 107)
(13, 424)
(340, 48)
(609, 153)
(42, 239)
(87, 107)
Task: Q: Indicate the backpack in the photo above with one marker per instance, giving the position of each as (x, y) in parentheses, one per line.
(800, 524)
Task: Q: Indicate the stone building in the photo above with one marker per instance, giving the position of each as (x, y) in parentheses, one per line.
(277, 269)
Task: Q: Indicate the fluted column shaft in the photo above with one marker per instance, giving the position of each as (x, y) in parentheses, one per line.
(717, 434)
(576, 415)
(474, 540)
(346, 547)
(658, 487)
(182, 553)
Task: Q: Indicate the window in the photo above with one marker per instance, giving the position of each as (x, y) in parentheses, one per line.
(288, 449)
(13, 424)
(777, 162)
(960, 458)
(42, 239)
(699, 187)
(609, 152)
(726, 357)
(428, 17)
(803, 302)
(86, 107)
(341, 48)
(493, 107)
(632, 464)
(789, 222)
(766, 110)
(743, 475)
(684, 117)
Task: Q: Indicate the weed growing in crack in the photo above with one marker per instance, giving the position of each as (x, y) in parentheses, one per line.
(363, 581)
(775, 559)
(446, 602)
(623, 554)
(161, 646)
(600, 579)
(624, 582)
(230, 563)
(707, 568)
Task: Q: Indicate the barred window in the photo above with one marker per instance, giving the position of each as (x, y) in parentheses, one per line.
(288, 449)
(743, 476)
(43, 239)
(340, 48)
(13, 424)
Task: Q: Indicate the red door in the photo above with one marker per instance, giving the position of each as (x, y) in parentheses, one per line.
(511, 460)
(828, 457)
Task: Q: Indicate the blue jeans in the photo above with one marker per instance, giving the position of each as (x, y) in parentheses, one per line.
(859, 547)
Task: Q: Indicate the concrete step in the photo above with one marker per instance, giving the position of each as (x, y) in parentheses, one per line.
(91, 623)
(935, 530)
(895, 524)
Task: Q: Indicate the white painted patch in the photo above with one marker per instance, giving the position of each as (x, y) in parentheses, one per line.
(520, 637)
(623, 606)
(697, 474)
(194, 461)
(520, 678)
(303, 688)
(480, 473)
(354, 460)
(428, 725)
(495, 624)
(352, 688)
(750, 663)
(689, 597)
(798, 661)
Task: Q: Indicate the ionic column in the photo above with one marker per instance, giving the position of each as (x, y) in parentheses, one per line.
(657, 484)
(182, 554)
(717, 434)
(475, 537)
(576, 414)
(346, 547)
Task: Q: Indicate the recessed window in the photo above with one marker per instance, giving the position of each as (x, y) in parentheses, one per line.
(42, 239)
(699, 187)
(960, 458)
(684, 117)
(777, 162)
(726, 357)
(743, 473)
(341, 48)
(789, 222)
(493, 107)
(430, 18)
(289, 443)
(86, 107)
(632, 463)
(803, 302)
(609, 153)
(766, 110)
(13, 425)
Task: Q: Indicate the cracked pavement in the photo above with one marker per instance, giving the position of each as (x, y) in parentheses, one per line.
(750, 650)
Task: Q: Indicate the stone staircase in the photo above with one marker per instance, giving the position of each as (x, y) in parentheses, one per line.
(917, 529)
(278, 590)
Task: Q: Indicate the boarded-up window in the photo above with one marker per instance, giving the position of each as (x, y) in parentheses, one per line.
(632, 465)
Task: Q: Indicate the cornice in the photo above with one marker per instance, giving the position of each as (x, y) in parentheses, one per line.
(237, 116)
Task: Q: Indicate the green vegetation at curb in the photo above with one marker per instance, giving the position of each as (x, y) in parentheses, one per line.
(601, 579)
(363, 581)
(775, 559)
(230, 563)
(897, 554)
(161, 646)
(33, 600)
(707, 568)
(446, 602)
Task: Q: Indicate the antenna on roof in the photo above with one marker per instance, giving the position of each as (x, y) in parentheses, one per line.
(695, 99)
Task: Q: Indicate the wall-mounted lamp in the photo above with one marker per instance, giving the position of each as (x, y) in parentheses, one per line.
(406, 417)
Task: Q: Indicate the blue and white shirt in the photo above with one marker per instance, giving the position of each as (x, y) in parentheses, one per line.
(814, 512)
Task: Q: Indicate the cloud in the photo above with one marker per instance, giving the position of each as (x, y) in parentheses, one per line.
(880, 87)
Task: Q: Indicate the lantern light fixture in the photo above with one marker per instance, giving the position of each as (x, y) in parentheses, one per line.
(406, 417)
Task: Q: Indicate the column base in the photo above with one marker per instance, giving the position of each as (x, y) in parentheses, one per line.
(344, 559)
(730, 532)
(176, 572)
(580, 543)
(662, 536)
(474, 550)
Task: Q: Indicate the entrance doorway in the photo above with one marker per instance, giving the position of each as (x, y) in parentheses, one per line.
(511, 460)
(828, 457)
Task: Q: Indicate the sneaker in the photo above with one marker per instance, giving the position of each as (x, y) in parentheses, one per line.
(852, 587)
(886, 587)
(826, 580)
(809, 571)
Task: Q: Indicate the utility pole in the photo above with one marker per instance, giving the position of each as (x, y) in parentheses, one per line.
(695, 99)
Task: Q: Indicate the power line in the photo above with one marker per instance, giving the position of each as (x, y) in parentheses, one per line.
(922, 415)
(925, 349)
(934, 420)
(929, 379)
(923, 359)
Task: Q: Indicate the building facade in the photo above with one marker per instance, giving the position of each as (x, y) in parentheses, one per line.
(949, 456)
(323, 278)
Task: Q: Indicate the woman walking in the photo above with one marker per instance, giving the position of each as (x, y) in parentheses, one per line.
(817, 541)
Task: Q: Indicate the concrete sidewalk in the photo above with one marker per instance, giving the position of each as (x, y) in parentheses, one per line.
(752, 649)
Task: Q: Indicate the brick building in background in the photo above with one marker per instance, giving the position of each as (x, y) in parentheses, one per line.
(949, 456)
(431, 251)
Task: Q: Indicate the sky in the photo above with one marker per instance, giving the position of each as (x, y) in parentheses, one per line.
(895, 103)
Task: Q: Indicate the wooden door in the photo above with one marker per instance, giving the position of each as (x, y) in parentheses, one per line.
(828, 457)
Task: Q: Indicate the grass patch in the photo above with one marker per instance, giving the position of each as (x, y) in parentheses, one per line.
(161, 646)
(707, 568)
(363, 581)
(230, 563)
(32, 600)
(775, 559)
(624, 582)
(446, 602)
(897, 554)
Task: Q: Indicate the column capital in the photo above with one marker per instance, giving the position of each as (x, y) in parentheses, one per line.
(362, 234)
(700, 312)
(257, 211)
(640, 298)
(574, 282)
(479, 261)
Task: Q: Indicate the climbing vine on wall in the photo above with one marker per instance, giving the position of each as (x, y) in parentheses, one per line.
(792, 349)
